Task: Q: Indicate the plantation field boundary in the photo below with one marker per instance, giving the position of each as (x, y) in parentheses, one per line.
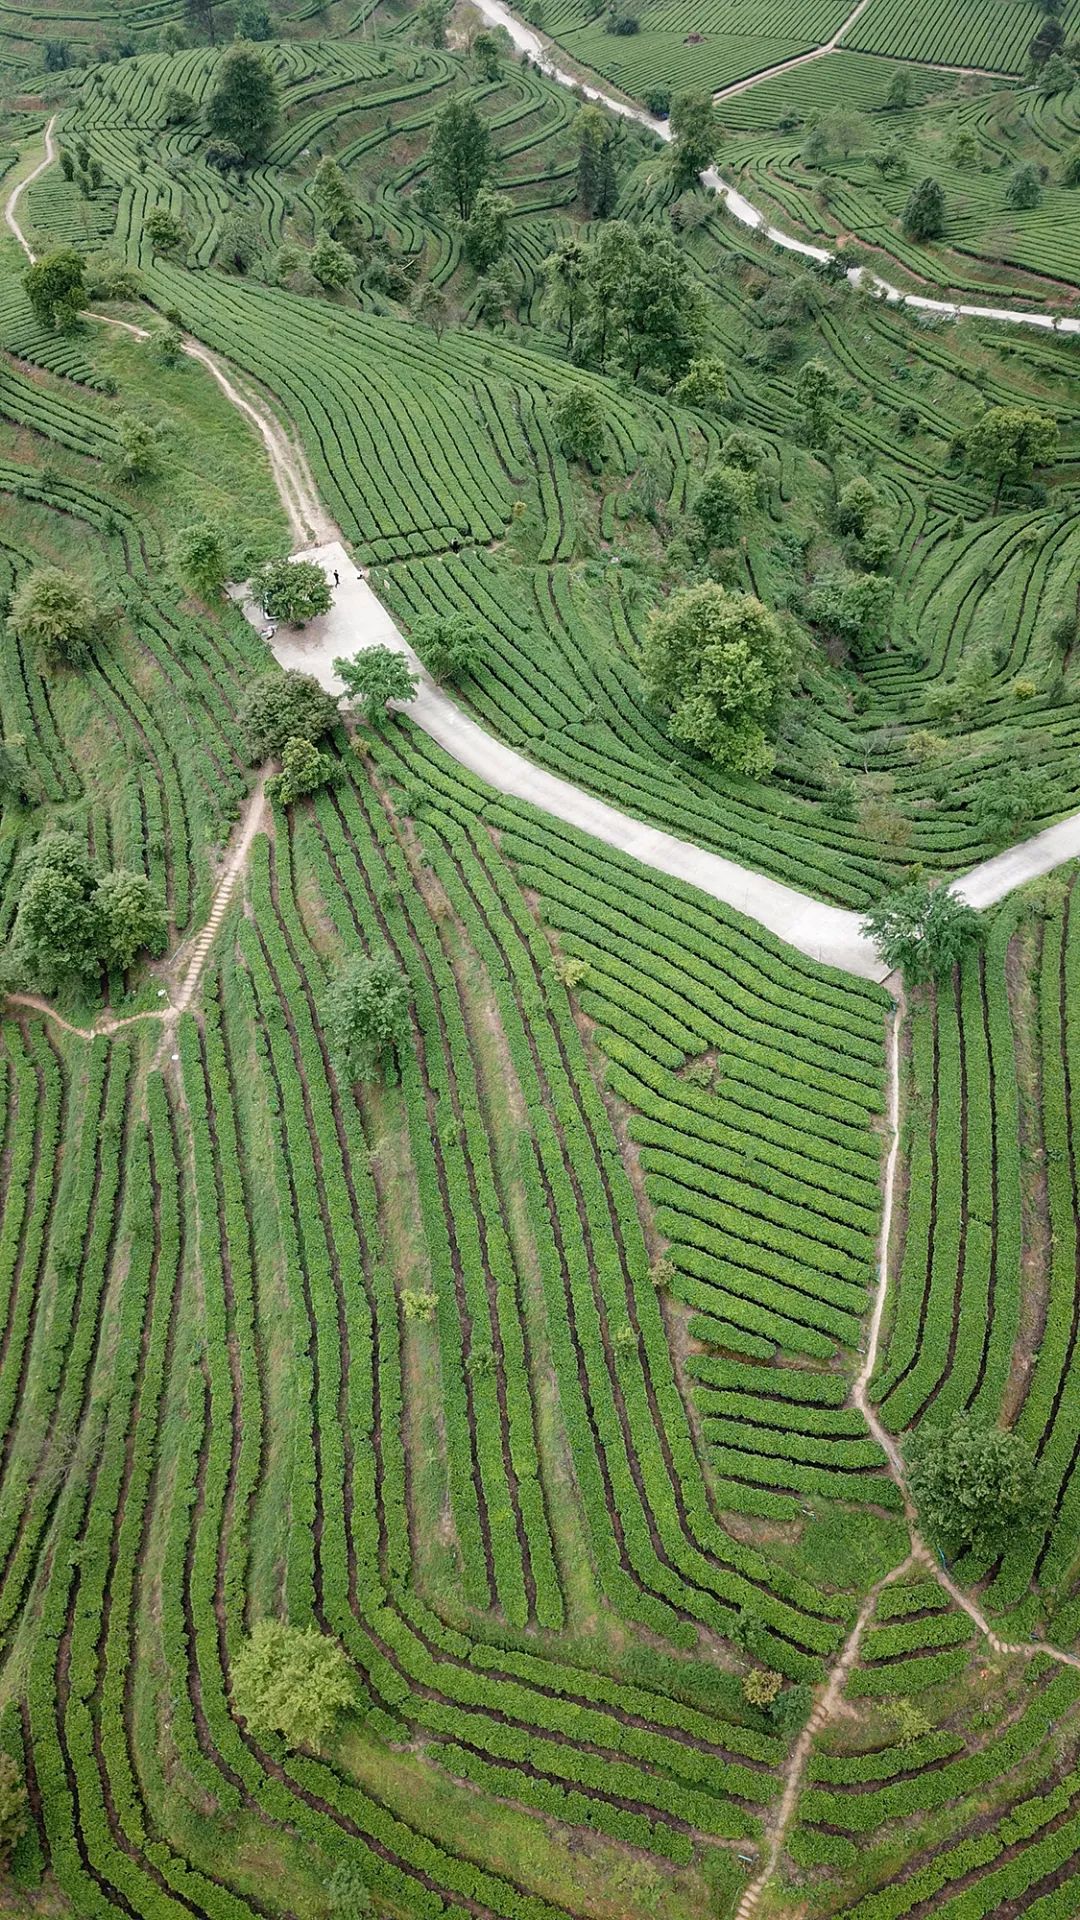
(528, 41)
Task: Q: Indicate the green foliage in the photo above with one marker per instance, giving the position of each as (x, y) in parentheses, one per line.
(487, 54)
(429, 306)
(448, 644)
(761, 1687)
(164, 231)
(139, 453)
(334, 199)
(485, 232)
(975, 1486)
(303, 770)
(724, 496)
(294, 591)
(899, 90)
(460, 153)
(579, 423)
(332, 264)
(131, 918)
(923, 930)
(14, 1807)
(292, 1681)
(243, 107)
(924, 212)
(374, 677)
(1007, 443)
(17, 785)
(280, 707)
(856, 506)
(55, 613)
(856, 607)
(816, 392)
(56, 288)
(596, 184)
(704, 384)
(644, 308)
(1070, 167)
(201, 557)
(693, 124)
(1010, 802)
(365, 1011)
(1024, 188)
(719, 664)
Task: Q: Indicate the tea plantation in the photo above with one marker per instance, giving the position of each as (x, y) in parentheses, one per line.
(524, 1393)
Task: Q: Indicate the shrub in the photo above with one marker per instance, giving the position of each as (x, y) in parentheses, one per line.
(365, 1010)
(923, 930)
(59, 615)
(291, 1681)
(280, 707)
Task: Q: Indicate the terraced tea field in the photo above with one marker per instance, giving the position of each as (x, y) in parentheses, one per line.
(474, 1462)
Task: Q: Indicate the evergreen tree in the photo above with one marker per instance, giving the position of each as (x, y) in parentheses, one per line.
(693, 123)
(924, 214)
(460, 153)
(244, 106)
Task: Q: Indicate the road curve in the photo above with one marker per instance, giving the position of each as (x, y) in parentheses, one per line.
(527, 40)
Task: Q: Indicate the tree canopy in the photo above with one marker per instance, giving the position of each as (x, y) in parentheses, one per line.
(59, 615)
(693, 124)
(1008, 443)
(292, 590)
(293, 1681)
(719, 663)
(244, 104)
(280, 707)
(448, 644)
(365, 1011)
(975, 1486)
(924, 213)
(579, 423)
(373, 678)
(303, 770)
(73, 921)
(923, 930)
(56, 287)
(460, 153)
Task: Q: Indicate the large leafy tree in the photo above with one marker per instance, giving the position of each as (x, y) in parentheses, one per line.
(303, 770)
(293, 1681)
(975, 1486)
(202, 557)
(486, 229)
(280, 707)
(365, 1011)
(579, 423)
(72, 921)
(596, 183)
(693, 123)
(56, 613)
(55, 287)
(924, 212)
(244, 105)
(1008, 443)
(130, 916)
(460, 153)
(373, 678)
(719, 664)
(292, 590)
(449, 645)
(566, 289)
(923, 930)
(725, 495)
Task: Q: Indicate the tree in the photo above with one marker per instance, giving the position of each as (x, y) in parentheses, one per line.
(924, 215)
(178, 107)
(428, 305)
(644, 304)
(58, 614)
(566, 286)
(57, 56)
(16, 780)
(719, 664)
(254, 21)
(373, 678)
(856, 607)
(293, 1681)
(1010, 801)
(200, 18)
(449, 645)
(202, 557)
(365, 1011)
(240, 243)
(131, 919)
(138, 453)
(244, 104)
(1070, 167)
(55, 287)
(56, 930)
(164, 231)
(975, 1486)
(693, 124)
(816, 390)
(292, 590)
(332, 264)
(1058, 75)
(333, 197)
(856, 506)
(460, 153)
(487, 55)
(303, 770)
(284, 706)
(14, 1807)
(484, 236)
(1047, 41)
(899, 94)
(596, 184)
(1024, 187)
(434, 18)
(725, 494)
(923, 930)
(704, 385)
(1009, 442)
(579, 423)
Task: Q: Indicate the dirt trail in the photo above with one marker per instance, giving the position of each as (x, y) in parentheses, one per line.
(798, 60)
